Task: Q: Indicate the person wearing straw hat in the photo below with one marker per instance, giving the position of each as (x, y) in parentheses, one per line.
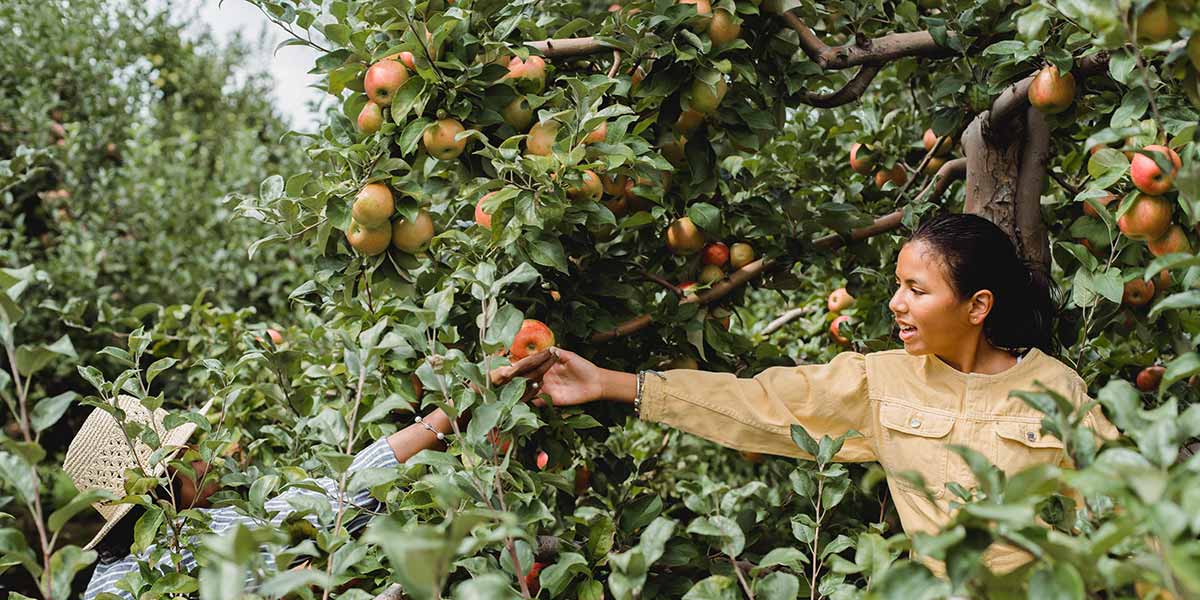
(101, 453)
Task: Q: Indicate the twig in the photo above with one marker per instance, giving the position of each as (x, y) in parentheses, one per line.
(663, 282)
(612, 72)
(787, 317)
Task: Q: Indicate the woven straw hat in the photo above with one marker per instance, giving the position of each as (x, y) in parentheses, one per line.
(100, 453)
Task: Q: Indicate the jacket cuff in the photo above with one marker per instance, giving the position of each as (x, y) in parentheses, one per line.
(654, 391)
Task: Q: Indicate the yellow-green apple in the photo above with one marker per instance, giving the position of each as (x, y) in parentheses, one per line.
(412, 236)
(1149, 378)
(1103, 200)
(383, 79)
(484, 219)
(688, 121)
(711, 274)
(672, 147)
(518, 114)
(683, 237)
(590, 187)
(1137, 292)
(529, 75)
(370, 118)
(706, 98)
(723, 28)
(930, 139)
(703, 10)
(1148, 218)
(835, 330)
(439, 139)
(1051, 93)
(1145, 172)
(373, 206)
(839, 300)
(862, 159)
(716, 253)
(367, 240)
(1175, 240)
(597, 135)
(533, 337)
(541, 138)
(740, 255)
(1155, 23)
(897, 175)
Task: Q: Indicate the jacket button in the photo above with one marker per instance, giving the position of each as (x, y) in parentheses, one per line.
(1031, 436)
(915, 423)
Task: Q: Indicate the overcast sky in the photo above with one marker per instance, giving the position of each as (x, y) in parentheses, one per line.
(289, 67)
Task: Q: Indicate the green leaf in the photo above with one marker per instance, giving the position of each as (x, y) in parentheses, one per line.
(714, 587)
(157, 367)
(804, 441)
(777, 586)
(556, 577)
(1176, 301)
(1059, 581)
(81, 501)
(732, 540)
(145, 531)
(64, 564)
(48, 411)
(706, 217)
(1107, 167)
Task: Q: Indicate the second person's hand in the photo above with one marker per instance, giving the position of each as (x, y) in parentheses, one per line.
(570, 380)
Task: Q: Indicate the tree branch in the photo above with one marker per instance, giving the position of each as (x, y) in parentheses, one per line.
(1031, 179)
(853, 90)
(950, 172)
(569, 47)
(751, 271)
(787, 317)
(877, 51)
(663, 282)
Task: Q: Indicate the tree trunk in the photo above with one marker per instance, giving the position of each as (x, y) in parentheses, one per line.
(1006, 172)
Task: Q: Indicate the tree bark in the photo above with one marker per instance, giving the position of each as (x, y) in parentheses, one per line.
(993, 161)
(1033, 243)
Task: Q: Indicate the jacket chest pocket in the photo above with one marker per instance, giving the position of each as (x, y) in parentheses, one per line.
(1020, 445)
(913, 439)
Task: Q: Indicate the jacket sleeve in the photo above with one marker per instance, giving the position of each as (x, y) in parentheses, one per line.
(756, 414)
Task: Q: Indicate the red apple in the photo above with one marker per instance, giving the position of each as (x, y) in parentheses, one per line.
(533, 337)
(543, 459)
(1149, 378)
(897, 175)
(531, 578)
(1175, 240)
(1137, 292)
(862, 159)
(1148, 218)
(370, 118)
(686, 287)
(529, 75)
(484, 219)
(835, 330)
(839, 300)
(716, 253)
(1104, 201)
(1051, 93)
(383, 79)
(1147, 176)
(373, 207)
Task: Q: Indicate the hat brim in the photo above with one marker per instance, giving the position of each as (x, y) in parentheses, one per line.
(176, 437)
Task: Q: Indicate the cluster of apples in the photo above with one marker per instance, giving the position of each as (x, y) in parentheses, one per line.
(685, 238)
(838, 301)
(864, 158)
(1149, 217)
(372, 230)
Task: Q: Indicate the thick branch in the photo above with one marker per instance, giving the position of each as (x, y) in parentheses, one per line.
(1031, 179)
(751, 271)
(853, 90)
(948, 173)
(1015, 97)
(877, 51)
(569, 47)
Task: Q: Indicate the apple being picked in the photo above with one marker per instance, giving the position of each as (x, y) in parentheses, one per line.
(533, 337)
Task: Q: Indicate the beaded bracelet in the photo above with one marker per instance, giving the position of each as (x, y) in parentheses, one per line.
(637, 399)
(440, 436)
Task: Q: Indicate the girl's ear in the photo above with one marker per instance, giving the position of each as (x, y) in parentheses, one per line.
(980, 306)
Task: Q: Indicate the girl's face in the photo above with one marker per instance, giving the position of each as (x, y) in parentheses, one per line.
(931, 316)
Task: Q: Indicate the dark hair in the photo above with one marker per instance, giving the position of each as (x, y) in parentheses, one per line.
(978, 255)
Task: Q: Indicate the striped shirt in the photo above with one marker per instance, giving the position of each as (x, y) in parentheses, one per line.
(377, 455)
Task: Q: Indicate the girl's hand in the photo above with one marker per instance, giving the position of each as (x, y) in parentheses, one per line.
(570, 380)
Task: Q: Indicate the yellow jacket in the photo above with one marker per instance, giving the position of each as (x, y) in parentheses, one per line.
(907, 408)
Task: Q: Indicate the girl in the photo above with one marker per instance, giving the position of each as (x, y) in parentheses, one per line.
(976, 325)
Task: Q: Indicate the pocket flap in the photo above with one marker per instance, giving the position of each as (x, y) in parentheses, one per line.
(1028, 434)
(914, 421)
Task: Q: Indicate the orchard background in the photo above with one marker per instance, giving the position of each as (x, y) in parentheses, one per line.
(536, 160)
